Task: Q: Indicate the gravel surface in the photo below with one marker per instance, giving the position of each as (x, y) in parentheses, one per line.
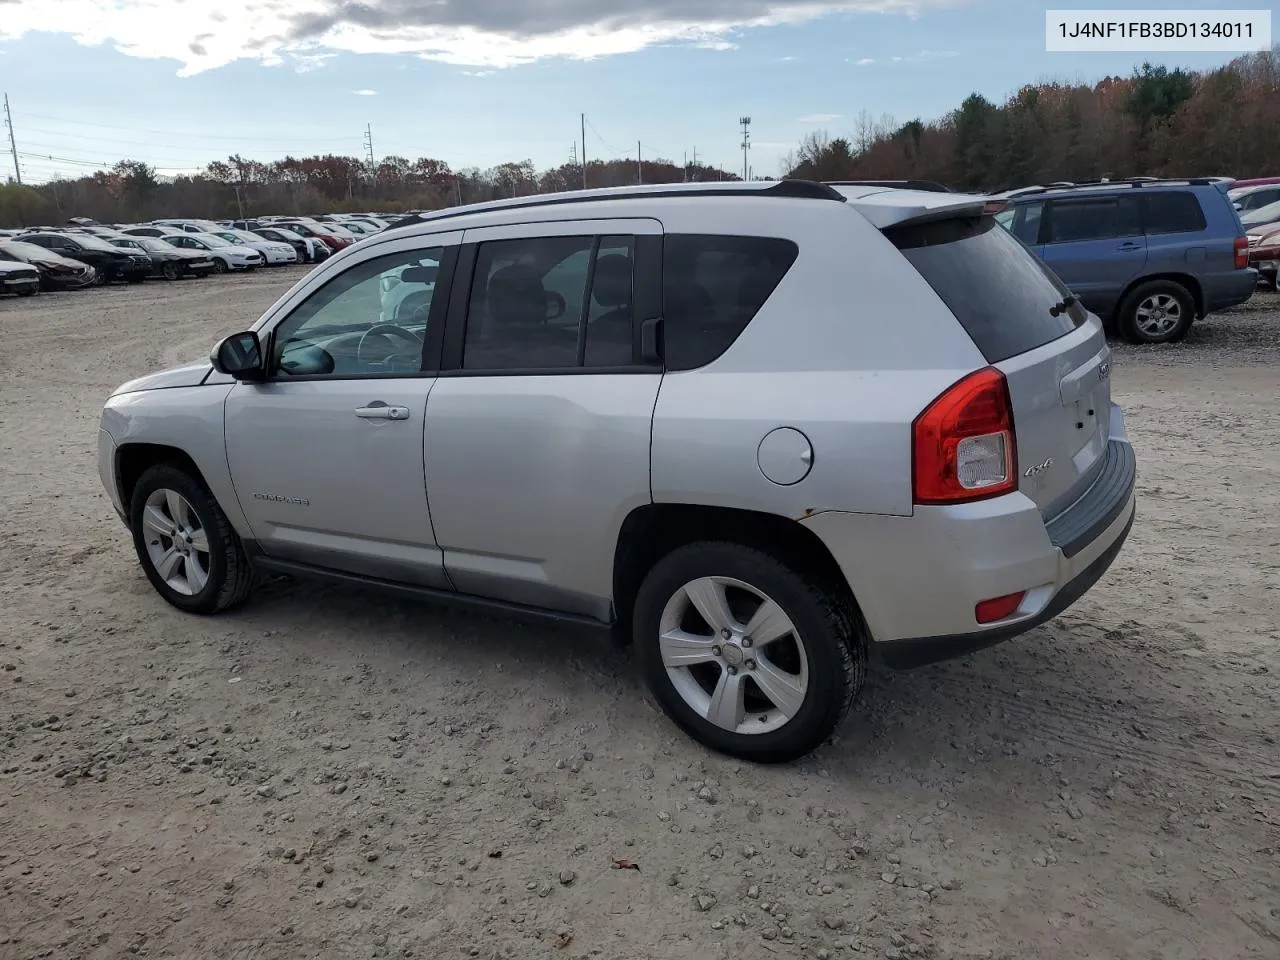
(329, 773)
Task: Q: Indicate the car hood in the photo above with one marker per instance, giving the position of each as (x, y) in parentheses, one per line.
(188, 375)
(9, 266)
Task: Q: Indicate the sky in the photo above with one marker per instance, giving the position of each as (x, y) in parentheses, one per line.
(178, 83)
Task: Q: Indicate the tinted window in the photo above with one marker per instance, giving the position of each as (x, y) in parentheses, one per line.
(999, 291)
(1074, 220)
(551, 302)
(1025, 222)
(333, 331)
(711, 288)
(1168, 212)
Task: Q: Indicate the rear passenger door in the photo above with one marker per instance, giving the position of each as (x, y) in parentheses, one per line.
(538, 429)
(1096, 246)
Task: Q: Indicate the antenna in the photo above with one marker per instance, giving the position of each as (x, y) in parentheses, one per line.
(745, 122)
(13, 145)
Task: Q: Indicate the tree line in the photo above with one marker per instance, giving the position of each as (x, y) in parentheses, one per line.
(239, 187)
(1155, 122)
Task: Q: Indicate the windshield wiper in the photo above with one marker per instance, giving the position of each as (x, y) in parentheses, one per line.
(1067, 302)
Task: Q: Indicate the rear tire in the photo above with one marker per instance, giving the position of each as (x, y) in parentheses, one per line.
(186, 544)
(792, 684)
(1159, 311)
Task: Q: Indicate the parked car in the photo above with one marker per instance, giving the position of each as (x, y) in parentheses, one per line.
(1259, 217)
(188, 225)
(1148, 256)
(56, 271)
(1264, 254)
(168, 261)
(18, 278)
(1246, 199)
(331, 235)
(274, 252)
(759, 480)
(226, 255)
(309, 249)
(110, 263)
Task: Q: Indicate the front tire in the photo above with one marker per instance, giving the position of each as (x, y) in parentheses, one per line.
(171, 271)
(1160, 311)
(219, 265)
(746, 655)
(186, 544)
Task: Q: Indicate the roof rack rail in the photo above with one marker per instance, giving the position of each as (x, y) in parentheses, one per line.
(931, 186)
(793, 189)
(1117, 182)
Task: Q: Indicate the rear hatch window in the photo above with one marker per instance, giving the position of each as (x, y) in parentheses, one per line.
(1006, 299)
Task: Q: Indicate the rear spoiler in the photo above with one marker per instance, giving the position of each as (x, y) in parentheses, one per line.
(889, 210)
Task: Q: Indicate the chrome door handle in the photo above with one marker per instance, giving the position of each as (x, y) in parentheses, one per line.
(380, 411)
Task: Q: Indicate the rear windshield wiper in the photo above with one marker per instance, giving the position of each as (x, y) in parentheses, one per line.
(1067, 302)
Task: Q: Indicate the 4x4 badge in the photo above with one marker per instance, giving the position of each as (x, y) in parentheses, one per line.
(1038, 468)
(1104, 368)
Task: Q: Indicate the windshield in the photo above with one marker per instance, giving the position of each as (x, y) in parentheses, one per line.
(214, 240)
(90, 242)
(154, 244)
(230, 237)
(1262, 215)
(16, 248)
(125, 242)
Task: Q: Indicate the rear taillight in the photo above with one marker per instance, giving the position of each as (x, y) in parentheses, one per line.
(963, 443)
(1241, 248)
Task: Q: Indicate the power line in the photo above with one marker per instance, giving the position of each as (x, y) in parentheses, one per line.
(193, 136)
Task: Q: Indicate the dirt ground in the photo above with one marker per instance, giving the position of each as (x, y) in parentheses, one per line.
(327, 773)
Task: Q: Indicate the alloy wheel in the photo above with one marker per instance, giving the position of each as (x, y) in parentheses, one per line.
(733, 655)
(177, 544)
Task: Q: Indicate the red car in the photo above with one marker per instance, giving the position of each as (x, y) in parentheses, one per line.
(1264, 253)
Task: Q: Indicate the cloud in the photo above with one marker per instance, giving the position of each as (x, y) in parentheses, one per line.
(920, 57)
(818, 118)
(203, 35)
(365, 92)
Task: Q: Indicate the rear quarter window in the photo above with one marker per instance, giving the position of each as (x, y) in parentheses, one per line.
(1169, 212)
(1001, 293)
(712, 286)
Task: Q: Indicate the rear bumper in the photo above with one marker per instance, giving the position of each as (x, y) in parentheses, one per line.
(1223, 290)
(918, 579)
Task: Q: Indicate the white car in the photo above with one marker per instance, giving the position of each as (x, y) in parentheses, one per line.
(274, 252)
(226, 255)
(189, 226)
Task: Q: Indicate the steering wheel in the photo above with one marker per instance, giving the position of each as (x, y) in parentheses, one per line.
(387, 330)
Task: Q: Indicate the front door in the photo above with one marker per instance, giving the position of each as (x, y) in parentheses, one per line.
(1096, 245)
(327, 454)
(538, 429)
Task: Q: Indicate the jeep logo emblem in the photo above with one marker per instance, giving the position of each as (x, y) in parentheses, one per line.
(1038, 468)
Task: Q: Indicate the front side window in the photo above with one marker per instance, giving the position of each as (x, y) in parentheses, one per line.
(369, 320)
(551, 303)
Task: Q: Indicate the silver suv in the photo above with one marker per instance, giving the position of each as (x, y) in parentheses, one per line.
(761, 430)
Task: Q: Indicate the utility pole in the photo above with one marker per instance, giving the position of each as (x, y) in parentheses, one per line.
(695, 162)
(639, 165)
(582, 118)
(13, 144)
(746, 145)
(686, 166)
(368, 146)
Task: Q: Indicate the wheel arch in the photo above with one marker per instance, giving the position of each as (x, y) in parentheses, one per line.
(653, 530)
(135, 459)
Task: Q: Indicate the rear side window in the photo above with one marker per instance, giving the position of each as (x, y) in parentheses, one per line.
(711, 288)
(1102, 219)
(999, 291)
(1168, 212)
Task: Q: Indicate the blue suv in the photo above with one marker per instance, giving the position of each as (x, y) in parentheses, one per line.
(1148, 256)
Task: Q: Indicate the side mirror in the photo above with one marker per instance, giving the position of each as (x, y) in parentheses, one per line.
(239, 356)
